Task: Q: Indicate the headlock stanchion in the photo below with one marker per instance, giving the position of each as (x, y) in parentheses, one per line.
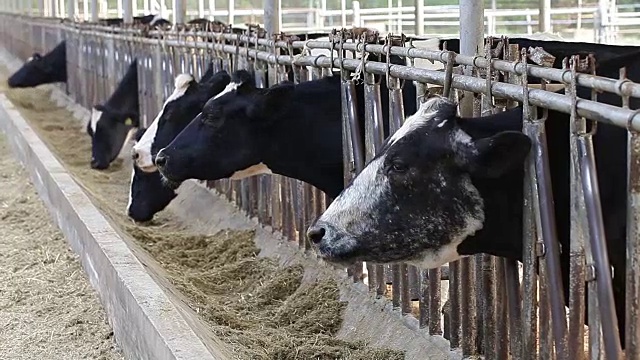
(488, 310)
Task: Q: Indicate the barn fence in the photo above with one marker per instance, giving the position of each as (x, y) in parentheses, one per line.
(491, 310)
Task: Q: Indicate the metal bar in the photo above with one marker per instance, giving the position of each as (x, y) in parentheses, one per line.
(127, 12)
(231, 5)
(455, 327)
(272, 16)
(94, 10)
(632, 338)
(544, 17)
(179, 11)
(579, 231)
(589, 109)
(471, 39)
(545, 214)
(552, 74)
(530, 234)
(487, 263)
(502, 316)
(352, 151)
(71, 9)
(374, 137)
(591, 192)
(212, 9)
(419, 17)
(471, 35)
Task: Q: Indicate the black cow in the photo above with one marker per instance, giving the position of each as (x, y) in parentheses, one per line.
(292, 130)
(148, 195)
(38, 70)
(112, 122)
(561, 49)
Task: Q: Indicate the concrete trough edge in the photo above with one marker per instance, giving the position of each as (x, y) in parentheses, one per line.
(146, 324)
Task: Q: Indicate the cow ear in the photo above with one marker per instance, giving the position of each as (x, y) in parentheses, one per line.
(273, 102)
(245, 88)
(497, 155)
(216, 84)
(207, 74)
(242, 77)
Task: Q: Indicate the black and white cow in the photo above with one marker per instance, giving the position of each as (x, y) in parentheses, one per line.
(38, 69)
(444, 187)
(148, 195)
(112, 123)
(149, 20)
(291, 130)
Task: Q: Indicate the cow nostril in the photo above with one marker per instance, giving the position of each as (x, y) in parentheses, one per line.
(160, 160)
(135, 156)
(315, 234)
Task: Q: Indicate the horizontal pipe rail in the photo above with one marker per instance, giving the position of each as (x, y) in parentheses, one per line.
(554, 101)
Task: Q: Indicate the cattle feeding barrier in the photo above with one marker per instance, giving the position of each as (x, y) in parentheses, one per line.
(488, 306)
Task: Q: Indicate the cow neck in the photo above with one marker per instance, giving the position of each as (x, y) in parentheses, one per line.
(501, 233)
(59, 56)
(125, 97)
(307, 148)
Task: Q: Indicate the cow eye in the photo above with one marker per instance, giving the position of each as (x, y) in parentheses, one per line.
(399, 167)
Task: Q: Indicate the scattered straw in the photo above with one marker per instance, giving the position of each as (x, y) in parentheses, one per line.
(48, 309)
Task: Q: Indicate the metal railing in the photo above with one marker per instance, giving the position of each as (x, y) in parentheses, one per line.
(535, 325)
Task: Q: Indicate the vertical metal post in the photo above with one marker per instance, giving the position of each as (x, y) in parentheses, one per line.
(127, 11)
(71, 9)
(544, 17)
(399, 17)
(41, 8)
(146, 6)
(212, 9)
(419, 14)
(163, 9)
(321, 15)
(579, 231)
(471, 38)
(579, 19)
(201, 8)
(272, 16)
(231, 14)
(601, 23)
(95, 10)
(632, 334)
(355, 5)
(119, 8)
(54, 8)
(343, 13)
(85, 10)
(179, 11)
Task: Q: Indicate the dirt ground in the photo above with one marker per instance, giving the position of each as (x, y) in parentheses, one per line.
(258, 308)
(48, 309)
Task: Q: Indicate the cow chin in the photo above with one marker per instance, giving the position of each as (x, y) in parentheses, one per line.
(170, 182)
(340, 253)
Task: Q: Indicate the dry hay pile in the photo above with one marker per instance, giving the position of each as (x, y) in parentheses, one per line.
(48, 309)
(258, 308)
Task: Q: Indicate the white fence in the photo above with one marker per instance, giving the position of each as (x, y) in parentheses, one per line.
(605, 24)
